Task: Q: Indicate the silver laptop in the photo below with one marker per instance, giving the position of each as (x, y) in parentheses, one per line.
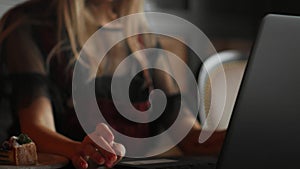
(264, 131)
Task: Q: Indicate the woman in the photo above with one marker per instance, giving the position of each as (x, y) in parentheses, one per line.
(40, 42)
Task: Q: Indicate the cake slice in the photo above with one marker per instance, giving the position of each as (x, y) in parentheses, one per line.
(19, 150)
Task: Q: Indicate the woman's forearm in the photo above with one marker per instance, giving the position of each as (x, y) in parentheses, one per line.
(212, 146)
(49, 141)
(37, 121)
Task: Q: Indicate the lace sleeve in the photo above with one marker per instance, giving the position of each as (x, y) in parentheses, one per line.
(25, 67)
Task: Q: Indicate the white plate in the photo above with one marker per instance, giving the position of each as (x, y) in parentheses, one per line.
(45, 161)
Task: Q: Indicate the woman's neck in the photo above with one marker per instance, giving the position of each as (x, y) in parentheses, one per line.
(103, 13)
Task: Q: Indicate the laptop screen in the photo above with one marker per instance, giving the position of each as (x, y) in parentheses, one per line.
(264, 127)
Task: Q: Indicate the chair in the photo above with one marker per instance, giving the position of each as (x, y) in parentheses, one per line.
(234, 63)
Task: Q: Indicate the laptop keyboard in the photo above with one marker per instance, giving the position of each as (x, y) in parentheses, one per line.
(192, 166)
(168, 163)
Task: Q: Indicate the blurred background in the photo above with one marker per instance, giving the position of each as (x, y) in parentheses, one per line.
(6, 4)
(229, 24)
(226, 19)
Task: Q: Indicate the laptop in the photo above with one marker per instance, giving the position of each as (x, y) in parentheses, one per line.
(264, 130)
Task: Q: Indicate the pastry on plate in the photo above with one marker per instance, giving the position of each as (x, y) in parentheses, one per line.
(19, 150)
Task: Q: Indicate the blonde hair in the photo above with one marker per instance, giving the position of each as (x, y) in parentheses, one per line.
(74, 17)
(80, 27)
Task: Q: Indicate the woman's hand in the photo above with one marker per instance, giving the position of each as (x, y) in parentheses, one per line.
(99, 147)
